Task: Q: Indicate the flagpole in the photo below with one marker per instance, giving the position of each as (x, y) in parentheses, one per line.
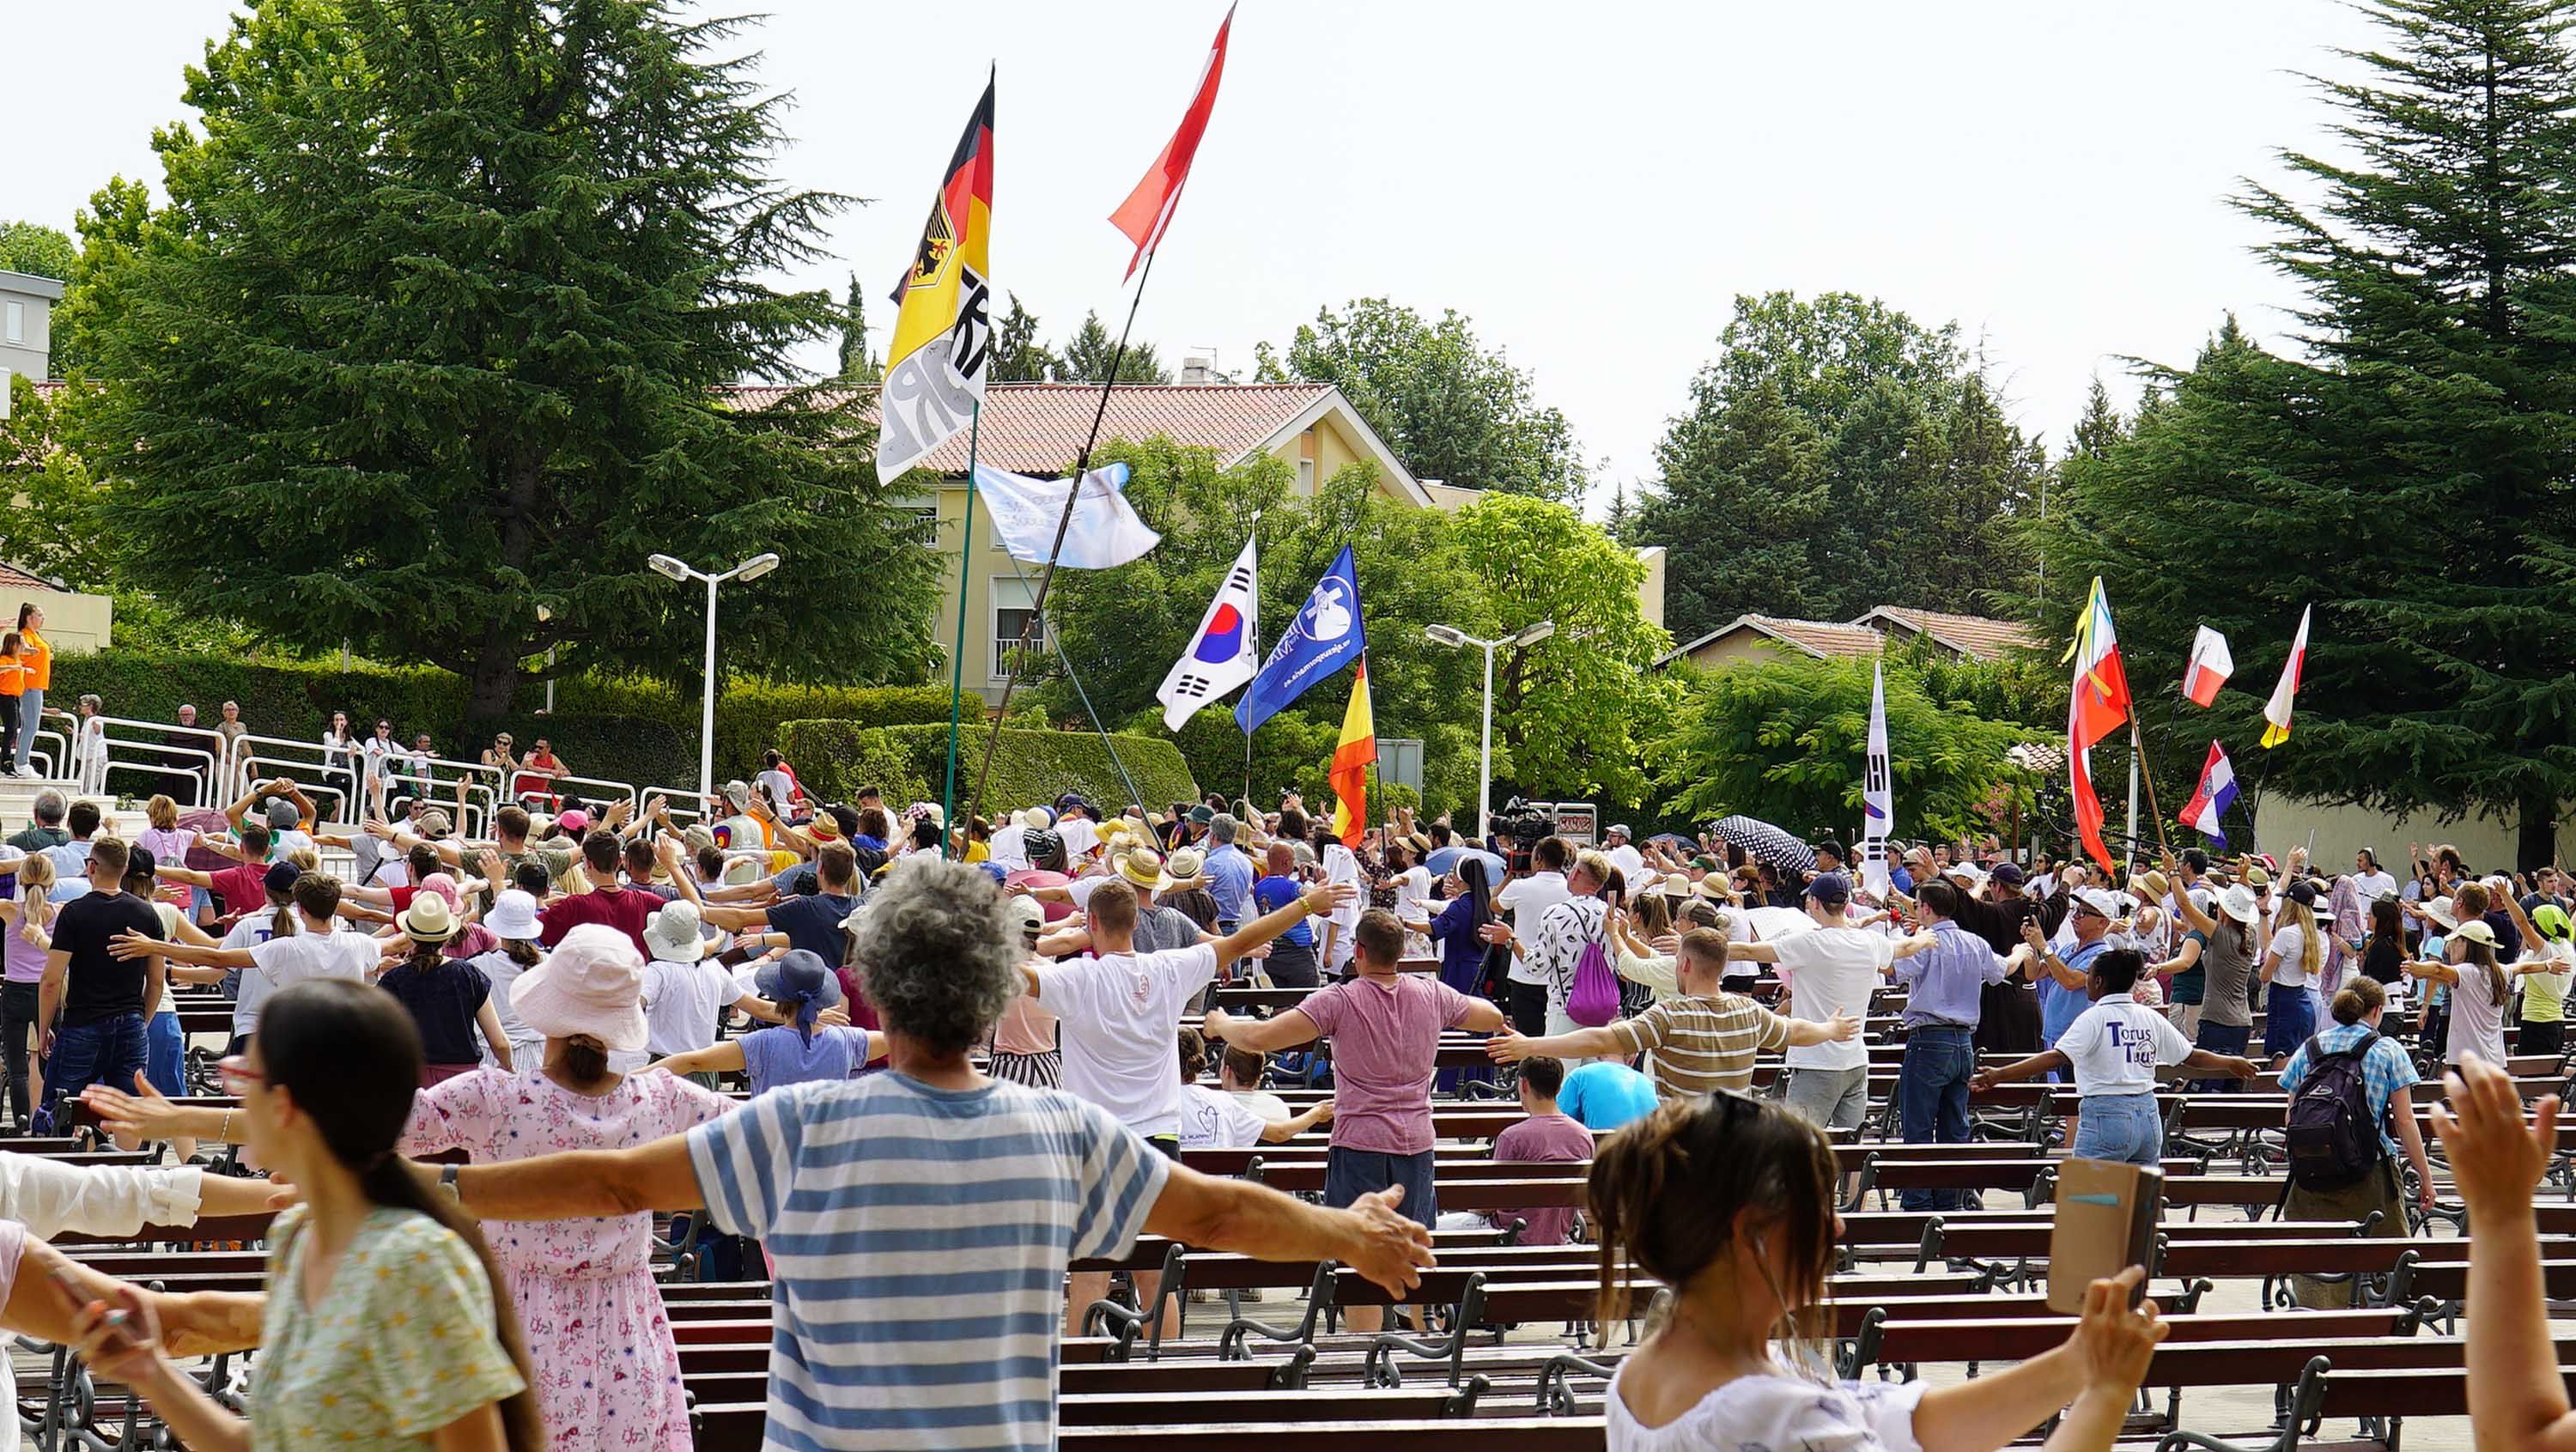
(957, 654)
(2138, 759)
(1251, 634)
(1063, 524)
(1092, 711)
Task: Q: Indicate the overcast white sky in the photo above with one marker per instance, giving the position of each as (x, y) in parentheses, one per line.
(1594, 196)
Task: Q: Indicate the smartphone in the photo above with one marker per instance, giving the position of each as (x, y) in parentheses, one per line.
(76, 1300)
(2105, 1223)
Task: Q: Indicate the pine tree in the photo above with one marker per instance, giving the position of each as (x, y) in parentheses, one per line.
(1018, 356)
(1085, 357)
(429, 337)
(1741, 492)
(2099, 427)
(857, 364)
(2408, 477)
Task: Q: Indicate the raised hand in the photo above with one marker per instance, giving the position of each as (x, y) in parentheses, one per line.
(2115, 1342)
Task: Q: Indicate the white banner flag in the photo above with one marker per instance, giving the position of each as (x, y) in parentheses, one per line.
(1877, 792)
(1103, 533)
(1220, 656)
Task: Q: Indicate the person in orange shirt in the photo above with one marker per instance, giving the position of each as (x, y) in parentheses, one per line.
(13, 680)
(36, 665)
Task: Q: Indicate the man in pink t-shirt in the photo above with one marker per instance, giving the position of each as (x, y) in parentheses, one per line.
(1385, 1026)
(1549, 1135)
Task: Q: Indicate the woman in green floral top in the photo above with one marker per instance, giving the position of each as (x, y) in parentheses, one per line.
(385, 1326)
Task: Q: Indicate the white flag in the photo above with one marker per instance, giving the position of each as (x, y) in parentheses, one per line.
(1104, 531)
(2286, 690)
(1877, 792)
(1220, 656)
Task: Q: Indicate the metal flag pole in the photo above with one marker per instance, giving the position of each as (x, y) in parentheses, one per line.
(2138, 761)
(1063, 524)
(1251, 642)
(957, 654)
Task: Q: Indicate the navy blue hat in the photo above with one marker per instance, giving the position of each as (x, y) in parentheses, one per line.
(1830, 888)
(281, 878)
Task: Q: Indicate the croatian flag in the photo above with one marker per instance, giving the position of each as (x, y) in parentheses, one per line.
(2209, 669)
(2216, 794)
(1220, 656)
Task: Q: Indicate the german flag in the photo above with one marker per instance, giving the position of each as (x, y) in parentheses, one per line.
(1351, 761)
(943, 328)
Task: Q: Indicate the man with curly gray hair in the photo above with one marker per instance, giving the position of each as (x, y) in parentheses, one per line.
(932, 1206)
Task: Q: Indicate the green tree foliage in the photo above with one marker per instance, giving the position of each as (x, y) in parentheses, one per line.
(1569, 708)
(2408, 476)
(1450, 408)
(38, 250)
(858, 365)
(1786, 741)
(1018, 356)
(1837, 456)
(1086, 356)
(426, 336)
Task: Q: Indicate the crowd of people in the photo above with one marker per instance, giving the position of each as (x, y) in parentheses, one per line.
(977, 1054)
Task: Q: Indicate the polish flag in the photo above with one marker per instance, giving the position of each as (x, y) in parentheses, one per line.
(2209, 669)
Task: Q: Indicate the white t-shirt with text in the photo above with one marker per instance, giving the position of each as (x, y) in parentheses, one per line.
(1211, 1120)
(2116, 1045)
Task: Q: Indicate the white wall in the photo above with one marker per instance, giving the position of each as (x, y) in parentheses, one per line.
(2485, 843)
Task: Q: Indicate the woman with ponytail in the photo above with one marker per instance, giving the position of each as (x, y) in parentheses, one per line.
(801, 1049)
(387, 1325)
(28, 919)
(2294, 959)
(1729, 1201)
(2479, 988)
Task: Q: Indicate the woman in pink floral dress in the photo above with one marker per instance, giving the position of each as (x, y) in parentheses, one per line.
(606, 1371)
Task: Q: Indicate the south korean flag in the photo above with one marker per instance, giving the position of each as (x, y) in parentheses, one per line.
(1221, 655)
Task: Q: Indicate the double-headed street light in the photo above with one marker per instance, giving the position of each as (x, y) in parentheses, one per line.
(1452, 637)
(748, 571)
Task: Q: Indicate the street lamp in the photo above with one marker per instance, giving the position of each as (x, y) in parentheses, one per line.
(678, 572)
(1452, 637)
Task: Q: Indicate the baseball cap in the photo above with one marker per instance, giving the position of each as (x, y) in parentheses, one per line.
(2007, 873)
(1830, 888)
(281, 878)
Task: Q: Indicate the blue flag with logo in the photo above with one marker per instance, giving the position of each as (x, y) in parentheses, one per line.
(1326, 636)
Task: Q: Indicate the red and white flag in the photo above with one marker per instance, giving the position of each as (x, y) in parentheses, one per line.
(2209, 669)
(1147, 212)
(2277, 709)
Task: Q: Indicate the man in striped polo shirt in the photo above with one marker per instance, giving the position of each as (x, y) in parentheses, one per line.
(921, 1219)
(1702, 1040)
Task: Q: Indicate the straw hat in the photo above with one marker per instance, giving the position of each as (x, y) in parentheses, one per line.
(1184, 864)
(1142, 866)
(593, 983)
(428, 919)
(2238, 902)
(672, 935)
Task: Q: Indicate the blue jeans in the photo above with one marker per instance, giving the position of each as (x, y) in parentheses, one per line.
(2122, 1127)
(105, 1051)
(2289, 1016)
(165, 1055)
(2221, 1038)
(31, 710)
(1933, 1093)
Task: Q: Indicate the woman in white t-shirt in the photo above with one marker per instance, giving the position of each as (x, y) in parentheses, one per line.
(1212, 1119)
(2294, 959)
(1729, 1201)
(2115, 1048)
(2479, 988)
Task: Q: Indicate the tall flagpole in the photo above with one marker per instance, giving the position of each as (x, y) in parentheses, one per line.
(1251, 635)
(957, 655)
(1063, 524)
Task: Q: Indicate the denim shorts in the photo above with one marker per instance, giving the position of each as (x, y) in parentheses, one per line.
(2123, 1127)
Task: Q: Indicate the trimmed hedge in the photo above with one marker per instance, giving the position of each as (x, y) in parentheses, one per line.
(630, 729)
(910, 763)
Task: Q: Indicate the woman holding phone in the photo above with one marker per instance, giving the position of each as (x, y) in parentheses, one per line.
(1729, 1201)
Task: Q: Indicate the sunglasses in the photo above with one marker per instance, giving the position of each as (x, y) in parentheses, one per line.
(237, 1076)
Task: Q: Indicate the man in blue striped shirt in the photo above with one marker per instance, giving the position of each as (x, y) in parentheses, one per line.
(921, 1220)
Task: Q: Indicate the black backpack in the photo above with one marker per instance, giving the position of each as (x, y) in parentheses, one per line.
(2333, 1138)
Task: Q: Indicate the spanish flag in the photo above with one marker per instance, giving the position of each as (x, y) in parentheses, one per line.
(1351, 761)
(943, 329)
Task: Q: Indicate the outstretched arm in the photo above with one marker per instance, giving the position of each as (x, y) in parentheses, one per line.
(1286, 1031)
